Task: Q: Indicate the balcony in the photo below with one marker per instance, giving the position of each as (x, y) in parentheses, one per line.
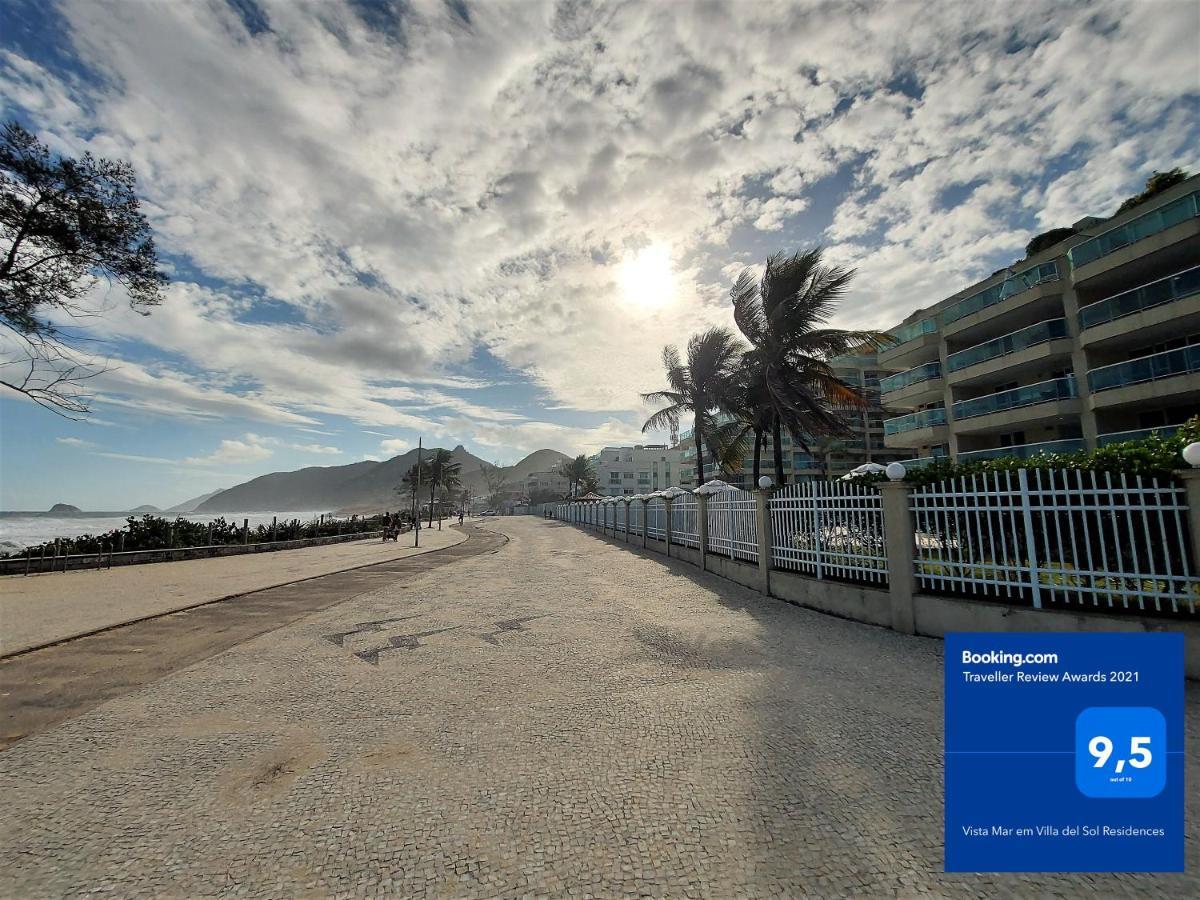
(1017, 398)
(1151, 311)
(1013, 285)
(1120, 437)
(1024, 451)
(1009, 353)
(926, 418)
(922, 461)
(917, 385)
(1172, 222)
(1150, 377)
(916, 342)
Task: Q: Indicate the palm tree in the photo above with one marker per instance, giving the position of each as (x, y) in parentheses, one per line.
(443, 472)
(577, 471)
(700, 387)
(783, 315)
(415, 477)
(752, 412)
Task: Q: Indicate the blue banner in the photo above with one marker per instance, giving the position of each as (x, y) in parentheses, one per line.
(1064, 752)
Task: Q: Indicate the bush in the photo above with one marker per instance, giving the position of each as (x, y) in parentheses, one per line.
(1154, 456)
(1155, 184)
(1047, 239)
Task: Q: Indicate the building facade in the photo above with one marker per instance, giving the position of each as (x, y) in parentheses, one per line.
(826, 458)
(551, 482)
(624, 471)
(1091, 341)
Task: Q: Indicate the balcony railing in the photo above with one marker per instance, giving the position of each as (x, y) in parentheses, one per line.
(1050, 330)
(1156, 293)
(1012, 285)
(1120, 437)
(1175, 212)
(913, 330)
(1147, 368)
(900, 380)
(926, 418)
(922, 461)
(1043, 392)
(1024, 451)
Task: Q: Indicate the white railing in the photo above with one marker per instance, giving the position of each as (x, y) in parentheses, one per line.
(1057, 538)
(656, 519)
(620, 512)
(685, 521)
(636, 517)
(829, 530)
(733, 524)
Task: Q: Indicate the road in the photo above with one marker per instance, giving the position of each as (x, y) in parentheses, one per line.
(559, 717)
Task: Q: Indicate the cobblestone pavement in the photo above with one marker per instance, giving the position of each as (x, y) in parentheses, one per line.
(563, 717)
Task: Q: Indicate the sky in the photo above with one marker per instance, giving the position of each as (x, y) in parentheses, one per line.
(479, 223)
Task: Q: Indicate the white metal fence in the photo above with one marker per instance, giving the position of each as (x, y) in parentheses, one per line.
(829, 530)
(656, 519)
(1057, 538)
(685, 521)
(733, 524)
(636, 517)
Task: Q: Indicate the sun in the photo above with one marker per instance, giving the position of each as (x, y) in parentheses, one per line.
(646, 277)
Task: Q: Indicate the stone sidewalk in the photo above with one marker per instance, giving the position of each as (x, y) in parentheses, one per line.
(560, 718)
(38, 609)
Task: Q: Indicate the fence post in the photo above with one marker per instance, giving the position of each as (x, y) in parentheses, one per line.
(702, 529)
(1035, 581)
(763, 512)
(1191, 483)
(667, 526)
(245, 532)
(645, 521)
(900, 536)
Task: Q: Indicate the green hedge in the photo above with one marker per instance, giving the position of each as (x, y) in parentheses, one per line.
(1153, 456)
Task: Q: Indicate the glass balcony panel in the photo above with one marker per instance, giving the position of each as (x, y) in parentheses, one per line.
(1120, 437)
(1040, 333)
(912, 376)
(924, 419)
(914, 330)
(1055, 389)
(1147, 368)
(1024, 451)
(1148, 296)
(1144, 226)
(1012, 285)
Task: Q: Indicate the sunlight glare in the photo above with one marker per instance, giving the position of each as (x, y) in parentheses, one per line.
(646, 277)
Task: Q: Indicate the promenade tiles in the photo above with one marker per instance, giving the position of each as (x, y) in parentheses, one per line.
(562, 717)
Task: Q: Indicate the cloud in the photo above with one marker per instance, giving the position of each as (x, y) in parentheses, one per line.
(230, 451)
(315, 448)
(376, 212)
(75, 442)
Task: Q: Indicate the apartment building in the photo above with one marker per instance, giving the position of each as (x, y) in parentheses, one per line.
(825, 458)
(538, 483)
(623, 471)
(1091, 341)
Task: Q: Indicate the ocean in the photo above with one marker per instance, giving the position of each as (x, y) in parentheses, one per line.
(23, 529)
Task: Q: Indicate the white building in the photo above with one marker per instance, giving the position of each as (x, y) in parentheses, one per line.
(623, 471)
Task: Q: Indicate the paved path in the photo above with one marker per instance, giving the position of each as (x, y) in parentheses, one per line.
(562, 718)
(38, 609)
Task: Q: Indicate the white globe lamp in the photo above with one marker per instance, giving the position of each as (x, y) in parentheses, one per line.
(765, 482)
(896, 471)
(1191, 455)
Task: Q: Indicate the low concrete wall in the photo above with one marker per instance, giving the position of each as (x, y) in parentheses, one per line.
(17, 565)
(935, 616)
(849, 601)
(744, 573)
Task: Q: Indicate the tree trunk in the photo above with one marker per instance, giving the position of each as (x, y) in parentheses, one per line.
(758, 442)
(432, 488)
(780, 479)
(699, 454)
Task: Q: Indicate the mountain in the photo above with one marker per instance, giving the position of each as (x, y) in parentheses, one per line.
(146, 508)
(366, 486)
(65, 509)
(188, 506)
